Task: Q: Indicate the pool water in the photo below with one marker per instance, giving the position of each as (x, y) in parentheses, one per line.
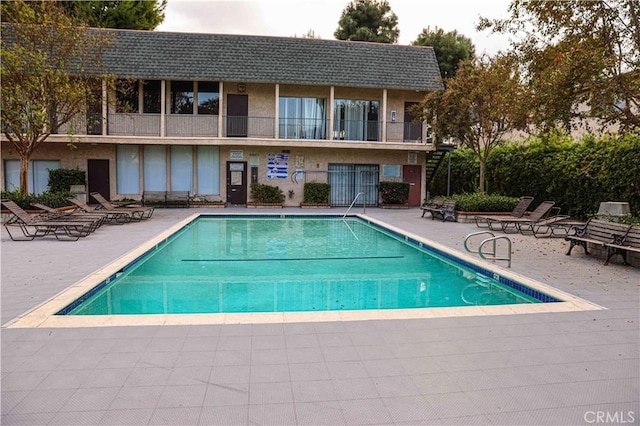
(287, 264)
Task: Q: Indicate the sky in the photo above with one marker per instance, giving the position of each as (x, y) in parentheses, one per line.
(289, 18)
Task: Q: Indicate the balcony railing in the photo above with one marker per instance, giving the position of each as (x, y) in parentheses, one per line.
(134, 124)
(177, 125)
(302, 128)
(192, 125)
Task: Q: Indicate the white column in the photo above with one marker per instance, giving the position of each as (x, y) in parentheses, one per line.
(220, 108)
(276, 127)
(332, 92)
(105, 108)
(163, 108)
(384, 115)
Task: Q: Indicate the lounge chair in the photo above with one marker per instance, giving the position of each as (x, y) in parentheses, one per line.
(555, 226)
(94, 220)
(518, 223)
(38, 226)
(140, 212)
(117, 217)
(517, 212)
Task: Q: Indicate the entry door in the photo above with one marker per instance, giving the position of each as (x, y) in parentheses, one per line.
(237, 182)
(98, 179)
(237, 113)
(413, 175)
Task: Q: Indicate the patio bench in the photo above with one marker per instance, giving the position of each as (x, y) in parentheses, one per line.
(599, 233)
(446, 211)
(177, 198)
(623, 244)
(165, 198)
(154, 198)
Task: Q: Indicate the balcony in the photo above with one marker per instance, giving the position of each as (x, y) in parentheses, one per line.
(177, 125)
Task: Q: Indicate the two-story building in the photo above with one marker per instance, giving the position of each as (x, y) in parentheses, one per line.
(213, 113)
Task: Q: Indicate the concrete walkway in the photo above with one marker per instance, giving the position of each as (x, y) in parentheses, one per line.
(547, 368)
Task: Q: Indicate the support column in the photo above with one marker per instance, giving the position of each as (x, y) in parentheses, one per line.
(220, 108)
(104, 108)
(332, 92)
(163, 108)
(276, 127)
(384, 115)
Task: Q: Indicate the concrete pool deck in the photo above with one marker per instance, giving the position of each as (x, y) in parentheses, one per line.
(533, 368)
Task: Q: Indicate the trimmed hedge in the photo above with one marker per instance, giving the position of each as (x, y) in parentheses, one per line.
(267, 194)
(478, 202)
(51, 199)
(60, 180)
(578, 176)
(394, 192)
(316, 193)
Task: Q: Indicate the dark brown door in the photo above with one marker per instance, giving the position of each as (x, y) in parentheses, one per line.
(412, 131)
(98, 179)
(237, 115)
(237, 182)
(413, 175)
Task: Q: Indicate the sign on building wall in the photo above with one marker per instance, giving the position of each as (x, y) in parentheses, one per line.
(277, 166)
(236, 155)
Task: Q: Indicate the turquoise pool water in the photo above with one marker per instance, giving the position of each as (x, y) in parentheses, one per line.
(285, 264)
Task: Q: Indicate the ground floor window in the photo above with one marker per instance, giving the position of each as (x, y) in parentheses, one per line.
(177, 168)
(127, 169)
(348, 180)
(38, 176)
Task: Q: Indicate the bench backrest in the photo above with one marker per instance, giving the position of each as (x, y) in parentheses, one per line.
(633, 237)
(603, 230)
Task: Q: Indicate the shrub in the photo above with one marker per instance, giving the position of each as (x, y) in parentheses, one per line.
(394, 192)
(316, 193)
(261, 193)
(51, 199)
(478, 202)
(60, 180)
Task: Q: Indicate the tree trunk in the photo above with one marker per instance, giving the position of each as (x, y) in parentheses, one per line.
(24, 173)
(483, 163)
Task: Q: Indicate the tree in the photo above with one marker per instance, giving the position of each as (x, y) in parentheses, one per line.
(122, 14)
(368, 20)
(578, 53)
(450, 48)
(49, 73)
(481, 104)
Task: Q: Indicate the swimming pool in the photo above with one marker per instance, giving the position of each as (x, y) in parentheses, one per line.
(51, 313)
(294, 264)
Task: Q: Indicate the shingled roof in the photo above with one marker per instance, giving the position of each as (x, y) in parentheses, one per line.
(217, 57)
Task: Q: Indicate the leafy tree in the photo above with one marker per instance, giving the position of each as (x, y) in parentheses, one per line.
(368, 20)
(450, 48)
(578, 53)
(478, 107)
(48, 70)
(122, 14)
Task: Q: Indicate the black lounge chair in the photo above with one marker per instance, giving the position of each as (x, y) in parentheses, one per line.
(94, 220)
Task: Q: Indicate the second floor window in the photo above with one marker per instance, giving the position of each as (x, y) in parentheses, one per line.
(356, 120)
(182, 97)
(208, 97)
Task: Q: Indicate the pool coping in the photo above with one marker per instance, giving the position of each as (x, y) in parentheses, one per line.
(43, 315)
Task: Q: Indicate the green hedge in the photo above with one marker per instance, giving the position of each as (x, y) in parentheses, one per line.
(261, 193)
(477, 202)
(316, 193)
(577, 175)
(60, 180)
(394, 192)
(51, 199)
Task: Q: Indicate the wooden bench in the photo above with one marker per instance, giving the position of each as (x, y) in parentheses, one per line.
(446, 211)
(165, 198)
(623, 244)
(599, 233)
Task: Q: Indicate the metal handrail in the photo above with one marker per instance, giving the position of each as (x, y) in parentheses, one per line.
(352, 203)
(492, 254)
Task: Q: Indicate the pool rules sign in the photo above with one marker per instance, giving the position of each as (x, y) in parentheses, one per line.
(278, 166)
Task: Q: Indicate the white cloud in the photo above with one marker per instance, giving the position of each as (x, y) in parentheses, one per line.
(289, 17)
